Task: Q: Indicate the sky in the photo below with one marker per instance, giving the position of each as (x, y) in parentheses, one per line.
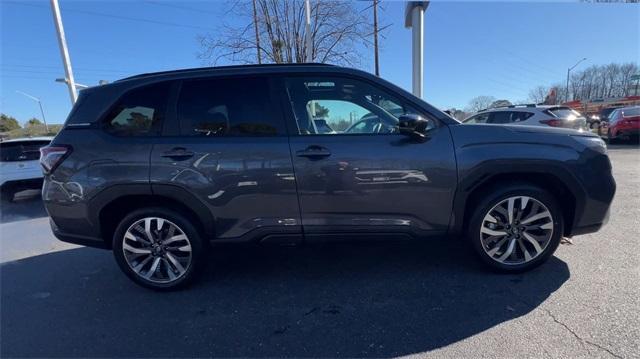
(500, 49)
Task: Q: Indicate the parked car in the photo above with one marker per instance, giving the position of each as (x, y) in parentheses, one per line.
(595, 121)
(531, 115)
(157, 167)
(623, 123)
(19, 166)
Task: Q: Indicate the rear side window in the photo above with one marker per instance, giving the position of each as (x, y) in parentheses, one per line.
(228, 107)
(139, 112)
(21, 151)
(481, 118)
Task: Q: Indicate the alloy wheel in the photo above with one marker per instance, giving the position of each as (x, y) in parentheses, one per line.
(157, 250)
(516, 230)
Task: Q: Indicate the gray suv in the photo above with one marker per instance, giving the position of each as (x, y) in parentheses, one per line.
(158, 167)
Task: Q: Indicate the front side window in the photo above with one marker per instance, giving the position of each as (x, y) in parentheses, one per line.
(227, 107)
(139, 112)
(333, 106)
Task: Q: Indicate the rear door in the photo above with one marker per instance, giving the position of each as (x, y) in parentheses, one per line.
(365, 177)
(226, 145)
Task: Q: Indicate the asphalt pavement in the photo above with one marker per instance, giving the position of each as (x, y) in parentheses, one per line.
(429, 299)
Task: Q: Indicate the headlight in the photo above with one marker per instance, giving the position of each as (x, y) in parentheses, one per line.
(594, 143)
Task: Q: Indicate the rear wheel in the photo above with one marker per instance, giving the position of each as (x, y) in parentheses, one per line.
(158, 248)
(516, 228)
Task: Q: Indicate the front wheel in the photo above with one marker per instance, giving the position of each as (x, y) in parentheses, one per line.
(158, 248)
(516, 228)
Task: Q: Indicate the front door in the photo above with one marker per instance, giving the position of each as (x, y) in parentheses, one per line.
(355, 173)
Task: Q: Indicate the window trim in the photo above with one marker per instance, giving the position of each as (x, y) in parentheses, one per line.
(292, 122)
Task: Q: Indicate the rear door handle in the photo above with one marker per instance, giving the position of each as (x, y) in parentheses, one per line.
(178, 153)
(314, 152)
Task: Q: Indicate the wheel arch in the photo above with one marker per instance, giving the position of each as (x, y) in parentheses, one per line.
(559, 182)
(113, 205)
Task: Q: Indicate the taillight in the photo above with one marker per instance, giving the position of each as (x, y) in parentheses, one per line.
(552, 122)
(52, 156)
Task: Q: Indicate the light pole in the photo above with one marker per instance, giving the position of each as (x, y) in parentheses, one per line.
(46, 128)
(64, 51)
(566, 98)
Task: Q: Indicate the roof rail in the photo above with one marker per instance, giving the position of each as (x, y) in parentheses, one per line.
(511, 106)
(196, 69)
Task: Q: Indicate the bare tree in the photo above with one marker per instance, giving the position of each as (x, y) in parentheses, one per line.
(479, 103)
(538, 94)
(338, 30)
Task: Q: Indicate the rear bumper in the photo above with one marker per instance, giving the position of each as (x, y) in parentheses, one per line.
(88, 241)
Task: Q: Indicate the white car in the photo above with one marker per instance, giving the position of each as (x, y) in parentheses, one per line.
(531, 115)
(20, 165)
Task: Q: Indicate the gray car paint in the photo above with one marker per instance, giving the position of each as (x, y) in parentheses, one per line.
(249, 188)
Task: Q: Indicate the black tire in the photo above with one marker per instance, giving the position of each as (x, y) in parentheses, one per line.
(7, 194)
(198, 249)
(495, 196)
(611, 140)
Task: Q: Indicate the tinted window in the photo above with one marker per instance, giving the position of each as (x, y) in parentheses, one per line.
(631, 112)
(227, 107)
(345, 105)
(480, 118)
(140, 112)
(499, 117)
(21, 151)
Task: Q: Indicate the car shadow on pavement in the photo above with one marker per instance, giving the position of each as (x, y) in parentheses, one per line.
(26, 205)
(331, 300)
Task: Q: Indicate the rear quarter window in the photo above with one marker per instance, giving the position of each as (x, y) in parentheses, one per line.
(631, 112)
(139, 112)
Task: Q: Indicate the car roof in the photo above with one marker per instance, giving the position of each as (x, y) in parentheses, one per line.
(264, 68)
(26, 139)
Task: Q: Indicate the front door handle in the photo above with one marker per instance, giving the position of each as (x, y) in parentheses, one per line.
(178, 153)
(314, 152)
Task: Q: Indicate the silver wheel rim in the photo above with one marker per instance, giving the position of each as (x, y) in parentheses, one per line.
(157, 250)
(516, 230)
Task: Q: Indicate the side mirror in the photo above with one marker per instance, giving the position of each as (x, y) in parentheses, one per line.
(414, 126)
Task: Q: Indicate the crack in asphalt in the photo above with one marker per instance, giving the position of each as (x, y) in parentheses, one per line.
(566, 327)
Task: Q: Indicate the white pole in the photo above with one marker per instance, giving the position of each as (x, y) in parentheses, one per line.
(62, 42)
(46, 128)
(417, 31)
(307, 30)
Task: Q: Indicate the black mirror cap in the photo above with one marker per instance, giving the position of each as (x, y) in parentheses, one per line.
(413, 125)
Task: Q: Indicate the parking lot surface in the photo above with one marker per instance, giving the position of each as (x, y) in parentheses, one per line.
(428, 299)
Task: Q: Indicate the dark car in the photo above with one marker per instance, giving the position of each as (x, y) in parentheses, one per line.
(159, 166)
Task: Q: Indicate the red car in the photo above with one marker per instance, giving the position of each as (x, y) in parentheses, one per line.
(624, 123)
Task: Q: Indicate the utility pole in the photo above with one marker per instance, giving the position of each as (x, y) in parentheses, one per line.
(44, 120)
(566, 96)
(375, 36)
(255, 25)
(307, 32)
(62, 42)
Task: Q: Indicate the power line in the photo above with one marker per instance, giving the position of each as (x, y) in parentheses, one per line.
(181, 7)
(120, 17)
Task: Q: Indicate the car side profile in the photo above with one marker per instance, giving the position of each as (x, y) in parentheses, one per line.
(531, 115)
(158, 167)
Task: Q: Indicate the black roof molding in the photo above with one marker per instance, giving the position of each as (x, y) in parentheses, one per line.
(214, 68)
